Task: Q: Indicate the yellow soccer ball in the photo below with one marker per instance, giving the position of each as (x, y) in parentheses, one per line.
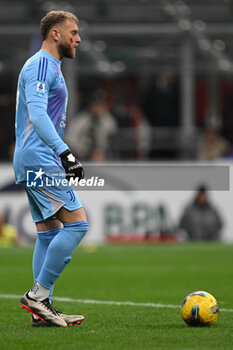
(200, 309)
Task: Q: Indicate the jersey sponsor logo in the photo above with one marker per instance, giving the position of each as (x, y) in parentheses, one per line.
(40, 87)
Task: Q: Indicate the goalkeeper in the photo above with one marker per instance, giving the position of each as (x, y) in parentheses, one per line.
(58, 214)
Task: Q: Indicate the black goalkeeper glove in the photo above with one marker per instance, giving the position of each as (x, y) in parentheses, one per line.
(71, 165)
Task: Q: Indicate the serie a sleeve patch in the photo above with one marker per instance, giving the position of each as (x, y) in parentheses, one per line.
(40, 87)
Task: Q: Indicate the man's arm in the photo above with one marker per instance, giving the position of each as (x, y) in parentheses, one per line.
(37, 101)
(45, 128)
(37, 90)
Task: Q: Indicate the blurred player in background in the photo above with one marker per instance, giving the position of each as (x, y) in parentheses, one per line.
(8, 234)
(60, 219)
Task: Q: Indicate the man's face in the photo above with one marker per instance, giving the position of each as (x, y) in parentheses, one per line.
(69, 39)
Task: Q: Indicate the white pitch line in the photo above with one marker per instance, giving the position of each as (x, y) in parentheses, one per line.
(107, 302)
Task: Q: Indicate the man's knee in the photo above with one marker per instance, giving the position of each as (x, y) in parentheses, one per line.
(77, 229)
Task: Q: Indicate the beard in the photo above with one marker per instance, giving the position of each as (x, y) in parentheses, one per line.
(65, 50)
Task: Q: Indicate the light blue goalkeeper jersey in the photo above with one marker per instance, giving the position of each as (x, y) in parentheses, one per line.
(40, 114)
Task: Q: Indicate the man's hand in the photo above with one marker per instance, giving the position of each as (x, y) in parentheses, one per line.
(71, 165)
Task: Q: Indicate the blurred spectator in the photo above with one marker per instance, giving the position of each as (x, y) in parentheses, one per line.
(162, 108)
(162, 101)
(227, 112)
(212, 146)
(89, 133)
(140, 128)
(201, 220)
(133, 138)
(8, 234)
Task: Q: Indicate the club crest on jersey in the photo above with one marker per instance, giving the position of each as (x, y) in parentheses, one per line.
(40, 87)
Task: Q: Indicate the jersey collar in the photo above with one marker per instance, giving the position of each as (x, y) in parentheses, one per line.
(46, 54)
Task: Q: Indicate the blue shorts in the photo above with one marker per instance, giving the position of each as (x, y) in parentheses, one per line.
(44, 203)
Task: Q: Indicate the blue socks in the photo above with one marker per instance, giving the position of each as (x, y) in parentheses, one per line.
(53, 251)
(44, 238)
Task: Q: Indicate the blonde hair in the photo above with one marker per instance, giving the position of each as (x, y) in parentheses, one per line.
(52, 18)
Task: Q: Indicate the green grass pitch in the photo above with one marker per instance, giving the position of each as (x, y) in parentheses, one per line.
(162, 274)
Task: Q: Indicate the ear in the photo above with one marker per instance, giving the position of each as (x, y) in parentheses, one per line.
(55, 34)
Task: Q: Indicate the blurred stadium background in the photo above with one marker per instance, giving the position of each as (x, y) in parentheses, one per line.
(161, 75)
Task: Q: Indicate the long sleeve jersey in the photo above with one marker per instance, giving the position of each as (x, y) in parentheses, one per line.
(40, 114)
